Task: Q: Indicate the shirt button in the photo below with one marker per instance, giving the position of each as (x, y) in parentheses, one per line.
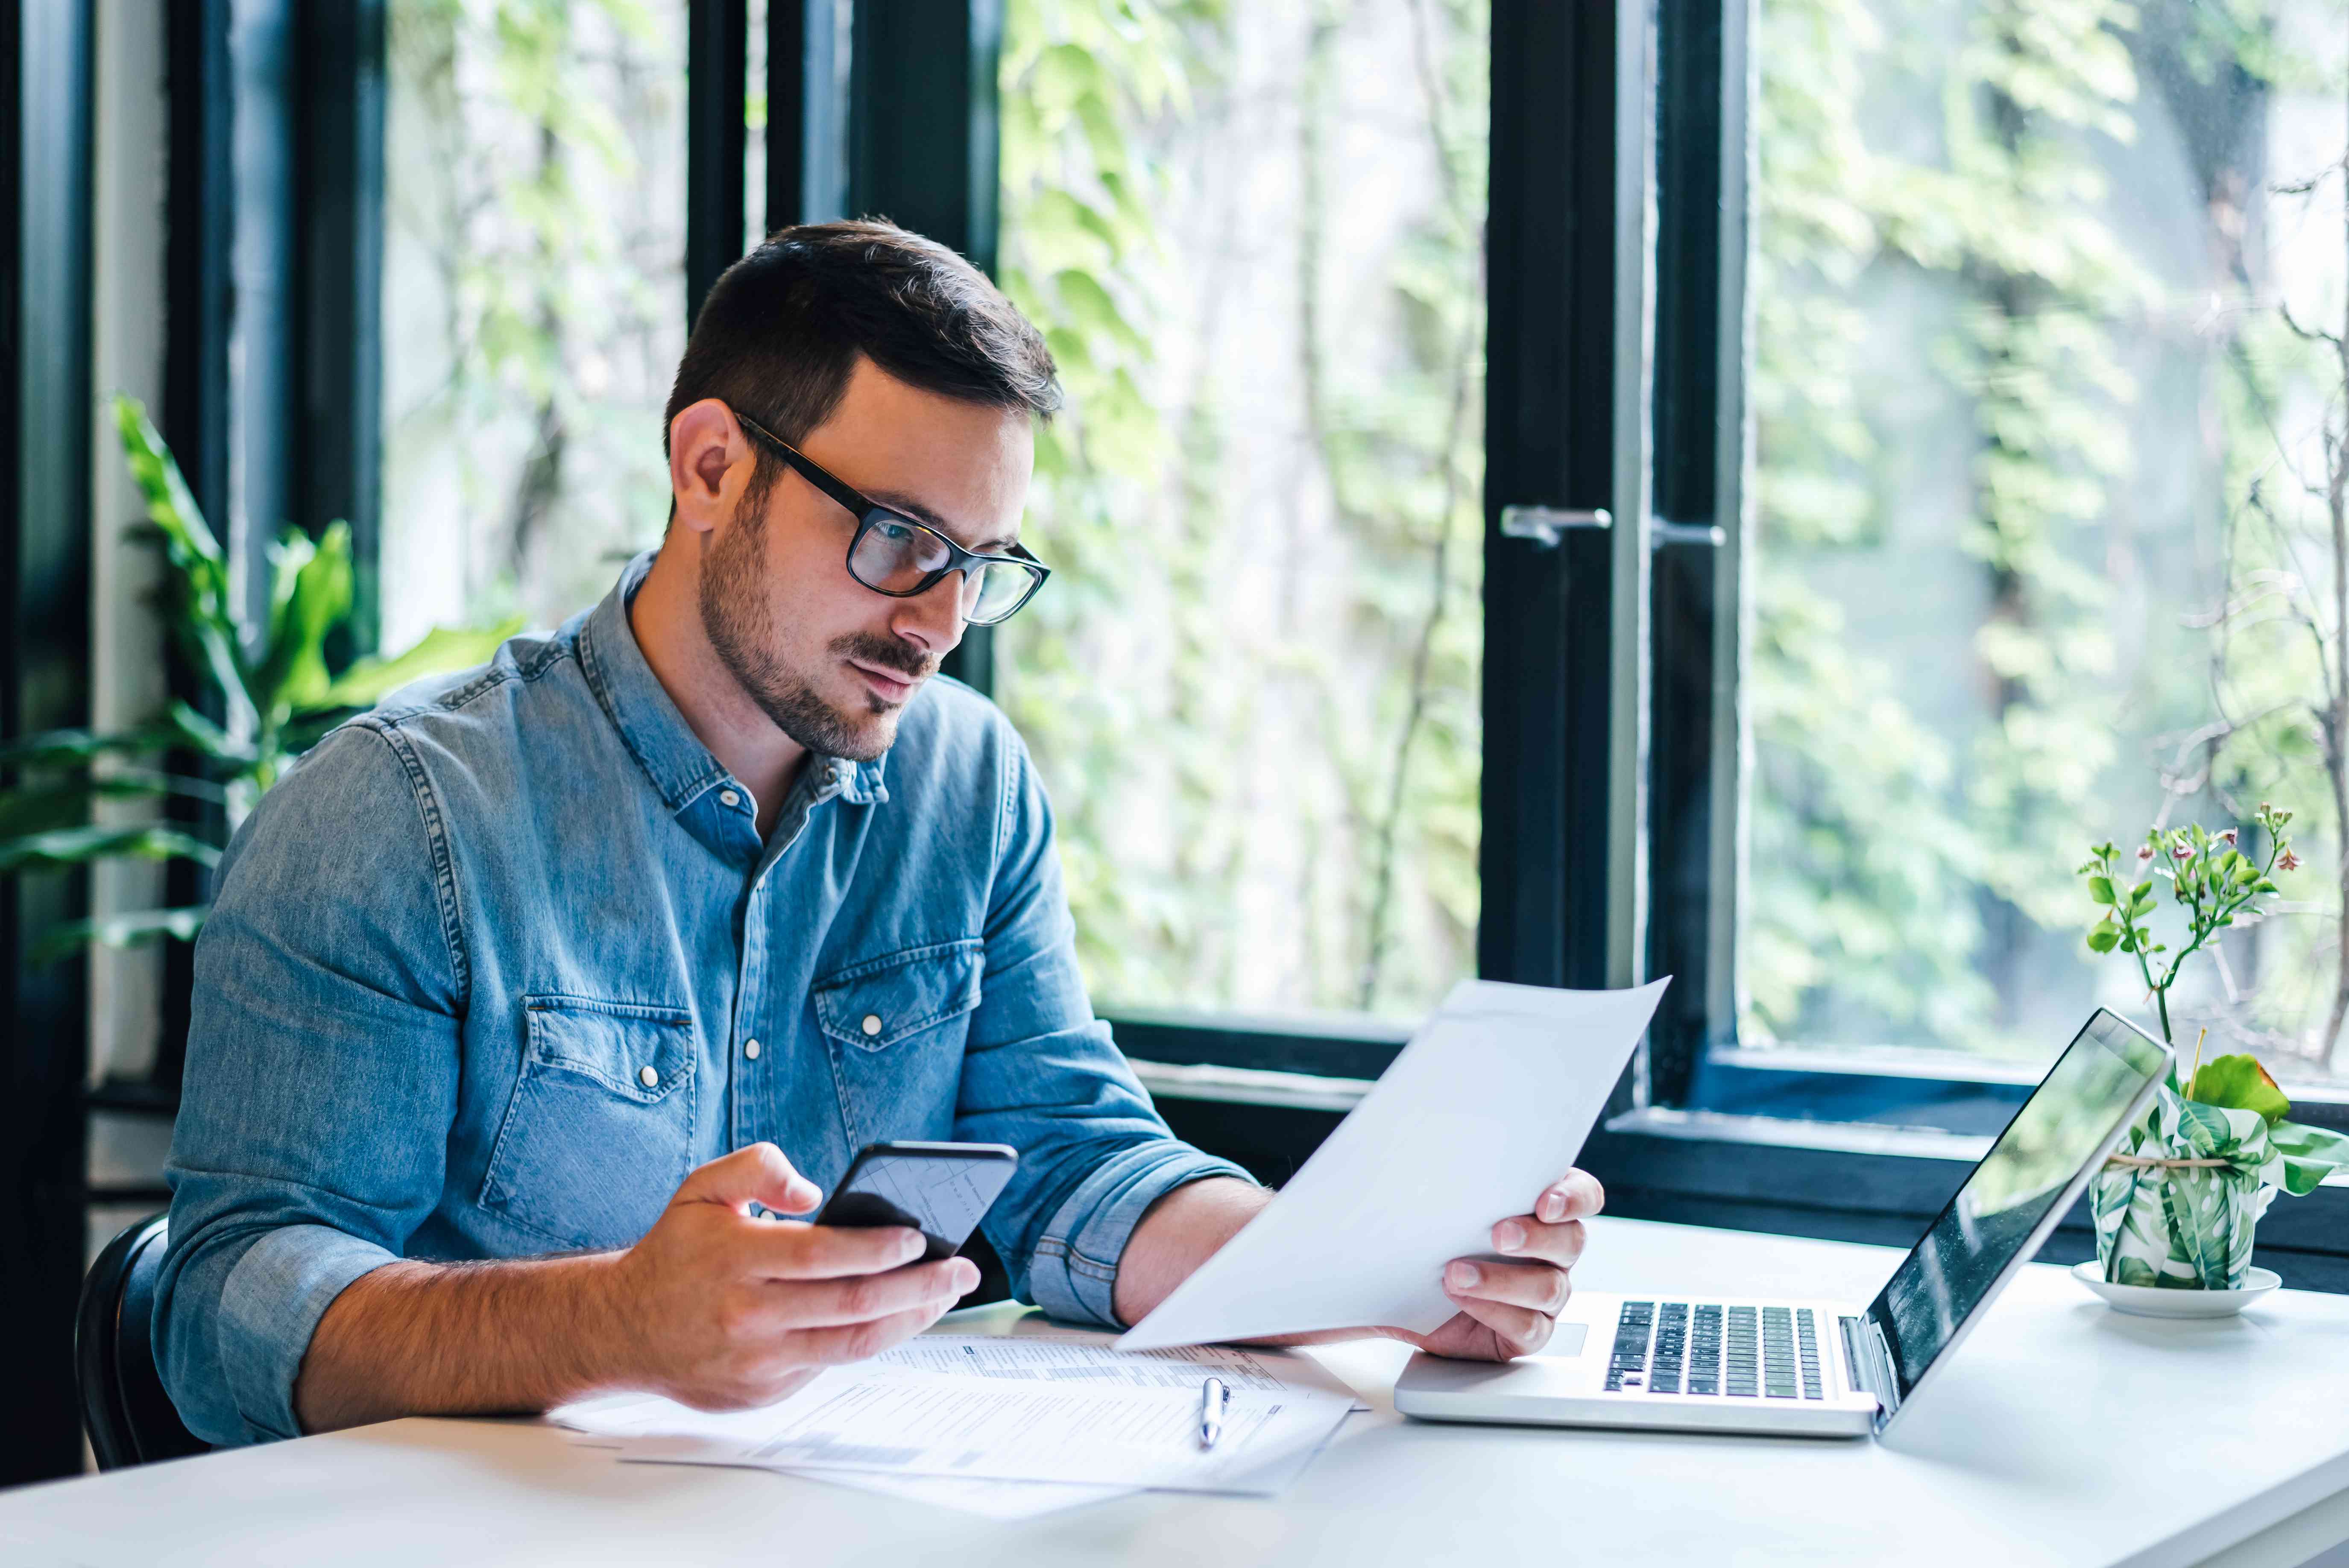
(750, 1049)
(729, 797)
(646, 1077)
(872, 1023)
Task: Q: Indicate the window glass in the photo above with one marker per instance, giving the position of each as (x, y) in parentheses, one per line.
(1254, 235)
(2043, 550)
(533, 301)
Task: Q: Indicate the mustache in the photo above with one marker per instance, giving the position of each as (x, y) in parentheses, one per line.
(886, 653)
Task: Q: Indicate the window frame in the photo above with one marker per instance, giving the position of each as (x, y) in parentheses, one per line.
(1805, 1175)
(47, 86)
(1565, 438)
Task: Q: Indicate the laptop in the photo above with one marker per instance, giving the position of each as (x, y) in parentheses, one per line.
(1821, 1368)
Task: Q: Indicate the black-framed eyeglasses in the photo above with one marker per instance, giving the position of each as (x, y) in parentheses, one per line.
(893, 555)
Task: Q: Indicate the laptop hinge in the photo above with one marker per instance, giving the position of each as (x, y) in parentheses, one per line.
(1867, 1363)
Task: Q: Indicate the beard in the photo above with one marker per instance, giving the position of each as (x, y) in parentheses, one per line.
(739, 622)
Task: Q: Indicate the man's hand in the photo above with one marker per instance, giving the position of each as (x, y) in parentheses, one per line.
(1508, 1309)
(721, 1311)
(712, 1307)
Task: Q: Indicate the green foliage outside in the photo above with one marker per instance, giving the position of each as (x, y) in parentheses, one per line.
(269, 684)
(1134, 510)
(1959, 160)
(533, 300)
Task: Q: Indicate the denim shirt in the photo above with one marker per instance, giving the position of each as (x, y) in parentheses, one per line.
(495, 966)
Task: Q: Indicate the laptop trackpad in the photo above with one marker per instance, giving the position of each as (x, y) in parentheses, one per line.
(1439, 1387)
(1531, 1373)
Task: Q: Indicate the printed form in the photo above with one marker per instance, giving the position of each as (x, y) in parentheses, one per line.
(851, 1419)
(1052, 1361)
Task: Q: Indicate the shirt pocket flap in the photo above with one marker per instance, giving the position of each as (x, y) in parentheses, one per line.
(639, 1051)
(877, 1003)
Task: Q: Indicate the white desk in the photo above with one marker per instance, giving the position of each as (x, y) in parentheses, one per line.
(2064, 1433)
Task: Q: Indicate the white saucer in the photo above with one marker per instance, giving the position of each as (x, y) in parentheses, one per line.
(2149, 1301)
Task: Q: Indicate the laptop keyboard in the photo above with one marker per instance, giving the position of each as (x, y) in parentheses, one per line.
(1743, 1352)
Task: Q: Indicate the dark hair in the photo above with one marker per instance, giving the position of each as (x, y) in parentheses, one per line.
(782, 329)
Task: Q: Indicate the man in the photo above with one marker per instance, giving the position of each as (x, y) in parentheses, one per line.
(526, 994)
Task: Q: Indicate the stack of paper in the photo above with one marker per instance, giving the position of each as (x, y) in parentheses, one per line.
(951, 1418)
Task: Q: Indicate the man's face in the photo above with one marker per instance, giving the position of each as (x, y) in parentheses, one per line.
(831, 662)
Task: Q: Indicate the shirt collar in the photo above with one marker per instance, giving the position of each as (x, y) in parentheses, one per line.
(680, 766)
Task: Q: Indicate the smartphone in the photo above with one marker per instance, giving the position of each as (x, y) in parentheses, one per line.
(942, 1190)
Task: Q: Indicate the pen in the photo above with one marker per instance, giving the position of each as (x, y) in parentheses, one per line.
(1215, 1398)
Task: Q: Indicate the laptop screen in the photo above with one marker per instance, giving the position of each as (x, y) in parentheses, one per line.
(2085, 1100)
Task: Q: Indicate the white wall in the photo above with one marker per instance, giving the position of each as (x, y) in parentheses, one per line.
(128, 669)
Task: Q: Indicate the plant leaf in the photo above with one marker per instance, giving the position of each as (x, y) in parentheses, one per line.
(24, 812)
(53, 748)
(196, 732)
(67, 804)
(310, 597)
(442, 649)
(76, 846)
(150, 781)
(120, 930)
(171, 505)
(2239, 1083)
(206, 626)
(2104, 936)
(2101, 889)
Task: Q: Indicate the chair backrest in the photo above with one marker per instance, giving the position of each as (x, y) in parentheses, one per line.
(129, 1419)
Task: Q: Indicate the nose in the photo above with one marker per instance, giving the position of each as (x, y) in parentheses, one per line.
(932, 620)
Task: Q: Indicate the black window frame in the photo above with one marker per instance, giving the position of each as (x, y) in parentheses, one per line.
(1566, 443)
(47, 89)
(1792, 1161)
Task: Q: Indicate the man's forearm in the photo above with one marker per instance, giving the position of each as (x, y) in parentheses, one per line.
(1177, 1233)
(450, 1339)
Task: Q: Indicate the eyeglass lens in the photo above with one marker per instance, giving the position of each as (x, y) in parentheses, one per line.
(895, 557)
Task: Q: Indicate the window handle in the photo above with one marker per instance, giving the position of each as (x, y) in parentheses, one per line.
(1545, 525)
(1705, 536)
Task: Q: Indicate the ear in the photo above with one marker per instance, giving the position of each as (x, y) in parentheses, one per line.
(709, 463)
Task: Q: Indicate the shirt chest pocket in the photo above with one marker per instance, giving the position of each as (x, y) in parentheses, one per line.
(600, 1128)
(894, 1026)
(874, 1005)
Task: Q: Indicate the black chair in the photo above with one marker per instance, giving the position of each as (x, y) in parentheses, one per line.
(129, 1419)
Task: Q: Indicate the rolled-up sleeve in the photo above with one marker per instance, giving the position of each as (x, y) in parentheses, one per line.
(321, 1081)
(1041, 1073)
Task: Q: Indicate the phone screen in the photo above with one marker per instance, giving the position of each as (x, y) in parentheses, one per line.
(942, 1190)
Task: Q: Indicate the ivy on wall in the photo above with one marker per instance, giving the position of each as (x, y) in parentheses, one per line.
(2017, 372)
(1257, 702)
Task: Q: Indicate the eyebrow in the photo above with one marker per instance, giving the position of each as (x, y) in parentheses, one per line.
(897, 500)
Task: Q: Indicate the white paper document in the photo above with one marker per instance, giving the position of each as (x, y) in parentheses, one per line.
(1489, 1103)
(1058, 1359)
(1022, 1351)
(940, 1425)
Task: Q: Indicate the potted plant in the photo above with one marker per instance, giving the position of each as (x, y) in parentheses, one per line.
(2177, 1204)
(269, 686)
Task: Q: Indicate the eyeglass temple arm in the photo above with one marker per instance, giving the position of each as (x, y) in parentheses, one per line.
(806, 467)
